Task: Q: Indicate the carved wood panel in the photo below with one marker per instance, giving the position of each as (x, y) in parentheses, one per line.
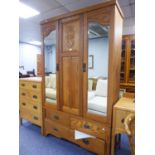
(71, 36)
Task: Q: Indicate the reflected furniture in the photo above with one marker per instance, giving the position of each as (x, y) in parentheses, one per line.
(127, 75)
(30, 99)
(124, 107)
(74, 97)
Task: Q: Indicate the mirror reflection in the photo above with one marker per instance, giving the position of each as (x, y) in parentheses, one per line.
(97, 68)
(50, 67)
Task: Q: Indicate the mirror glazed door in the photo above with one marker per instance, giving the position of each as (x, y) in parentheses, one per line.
(50, 68)
(98, 43)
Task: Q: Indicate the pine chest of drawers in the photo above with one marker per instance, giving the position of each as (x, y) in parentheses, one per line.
(30, 100)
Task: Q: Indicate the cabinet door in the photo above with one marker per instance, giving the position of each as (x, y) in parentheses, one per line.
(132, 60)
(123, 61)
(50, 74)
(71, 64)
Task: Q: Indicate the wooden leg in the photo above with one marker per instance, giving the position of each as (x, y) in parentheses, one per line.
(113, 144)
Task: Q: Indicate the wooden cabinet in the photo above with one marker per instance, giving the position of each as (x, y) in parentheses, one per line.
(30, 98)
(122, 109)
(127, 75)
(65, 77)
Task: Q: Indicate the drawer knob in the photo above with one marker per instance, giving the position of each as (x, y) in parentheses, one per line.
(35, 96)
(24, 104)
(35, 107)
(55, 129)
(35, 117)
(122, 120)
(23, 84)
(86, 126)
(85, 141)
(34, 86)
(23, 94)
(56, 117)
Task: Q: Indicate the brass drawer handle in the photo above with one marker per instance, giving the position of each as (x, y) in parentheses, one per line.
(122, 120)
(34, 86)
(23, 85)
(23, 94)
(56, 117)
(55, 129)
(35, 107)
(24, 104)
(35, 96)
(35, 117)
(86, 126)
(85, 141)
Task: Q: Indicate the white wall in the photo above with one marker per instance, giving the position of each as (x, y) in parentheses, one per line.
(28, 56)
(129, 26)
(99, 48)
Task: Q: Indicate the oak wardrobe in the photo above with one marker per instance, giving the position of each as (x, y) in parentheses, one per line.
(81, 65)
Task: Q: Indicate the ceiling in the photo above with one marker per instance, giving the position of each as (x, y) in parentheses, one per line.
(29, 29)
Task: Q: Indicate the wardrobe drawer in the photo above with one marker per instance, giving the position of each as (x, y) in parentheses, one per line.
(58, 130)
(35, 96)
(32, 117)
(58, 117)
(89, 127)
(24, 93)
(93, 144)
(120, 117)
(36, 86)
(24, 84)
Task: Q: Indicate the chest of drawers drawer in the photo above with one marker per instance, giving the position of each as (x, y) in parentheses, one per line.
(88, 127)
(24, 93)
(58, 117)
(93, 144)
(35, 86)
(30, 116)
(24, 84)
(35, 96)
(58, 130)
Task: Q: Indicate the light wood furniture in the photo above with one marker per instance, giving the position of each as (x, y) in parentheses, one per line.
(70, 113)
(129, 124)
(30, 99)
(127, 75)
(122, 109)
(39, 65)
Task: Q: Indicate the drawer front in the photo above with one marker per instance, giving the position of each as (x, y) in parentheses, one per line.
(35, 86)
(89, 127)
(32, 117)
(120, 117)
(93, 144)
(35, 97)
(24, 94)
(24, 103)
(24, 84)
(36, 119)
(58, 130)
(58, 117)
(36, 108)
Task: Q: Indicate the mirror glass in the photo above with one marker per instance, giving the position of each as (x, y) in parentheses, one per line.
(98, 53)
(50, 67)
